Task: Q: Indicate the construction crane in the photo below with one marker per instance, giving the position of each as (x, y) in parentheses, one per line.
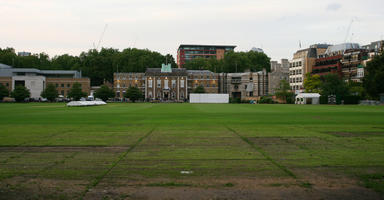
(101, 37)
(349, 29)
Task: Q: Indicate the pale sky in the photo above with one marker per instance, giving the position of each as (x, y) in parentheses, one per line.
(72, 26)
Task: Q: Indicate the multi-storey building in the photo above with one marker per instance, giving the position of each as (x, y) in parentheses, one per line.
(279, 72)
(175, 84)
(326, 65)
(36, 80)
(123, 81)
(348, 60)
(302, 63)
(166, 83)
(246, 85)
(205, 78)
(188, 52)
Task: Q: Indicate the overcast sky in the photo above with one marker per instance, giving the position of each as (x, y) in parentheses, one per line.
(72, 26)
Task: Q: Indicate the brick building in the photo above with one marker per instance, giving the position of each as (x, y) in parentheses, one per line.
(188, 52)
(175, 84)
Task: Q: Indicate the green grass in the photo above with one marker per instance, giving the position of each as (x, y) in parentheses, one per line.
(152, 141)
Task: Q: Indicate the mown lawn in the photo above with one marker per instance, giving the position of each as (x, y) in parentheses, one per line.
(92, 146)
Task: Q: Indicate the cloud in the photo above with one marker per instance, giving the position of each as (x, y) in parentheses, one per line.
(333, 7)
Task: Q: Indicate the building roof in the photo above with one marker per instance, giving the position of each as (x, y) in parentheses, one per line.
(6, 70)
(157, 72)
(4, 66)
(203, 45)
(342, 47)
(374, 46)
(198, 71)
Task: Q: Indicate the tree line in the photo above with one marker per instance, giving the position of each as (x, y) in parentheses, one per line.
(232, 62)
(99, 65)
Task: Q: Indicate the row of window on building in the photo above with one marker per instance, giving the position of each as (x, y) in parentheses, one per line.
(297, 87)
(296, 80)
(295, 72)
(158, 83)
(62, 85)
(295, 64)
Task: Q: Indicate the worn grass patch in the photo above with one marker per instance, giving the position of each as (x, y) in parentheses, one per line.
(111, 143)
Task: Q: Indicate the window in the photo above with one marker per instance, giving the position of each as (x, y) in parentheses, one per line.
(68, 85)
(62, 92)
(245, 86)
(7, 84)
(150, 83)
(159, 83)
(57, 85)
(166, 83)
(62, 85)
(150, 94)
(182, 83)
(173, 83)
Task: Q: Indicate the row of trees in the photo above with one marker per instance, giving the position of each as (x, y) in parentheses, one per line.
(99, 66)
(232, 62)
(20, 93)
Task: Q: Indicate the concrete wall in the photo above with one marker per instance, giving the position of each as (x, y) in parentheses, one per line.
(35, 84)
(209, 98)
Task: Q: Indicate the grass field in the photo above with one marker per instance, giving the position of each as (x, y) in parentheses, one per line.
(191, 151)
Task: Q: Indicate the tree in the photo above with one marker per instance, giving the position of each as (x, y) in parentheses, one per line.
(373, 81)
(312, 83)
(333, 85)
(76, 92)
(199, 89)
(50, 93)
(104, 93)
(283, 92)
(20, 93)
(232, 62)
(133, 94)
(3, 92)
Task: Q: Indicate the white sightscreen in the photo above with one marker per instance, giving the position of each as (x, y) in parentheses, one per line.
(209, 98)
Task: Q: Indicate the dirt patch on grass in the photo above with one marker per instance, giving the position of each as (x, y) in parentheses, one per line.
(230, 188)
(356, 134)
(186, 189)
(113, 149)
(24, 188)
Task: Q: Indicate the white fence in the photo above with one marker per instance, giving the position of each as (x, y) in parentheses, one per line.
(209, 98)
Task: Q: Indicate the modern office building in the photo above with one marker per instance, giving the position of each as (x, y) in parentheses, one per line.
(302, 63)
(188, 52)
(36, 80)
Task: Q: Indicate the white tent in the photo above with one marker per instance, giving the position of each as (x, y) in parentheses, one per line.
(308, 98)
